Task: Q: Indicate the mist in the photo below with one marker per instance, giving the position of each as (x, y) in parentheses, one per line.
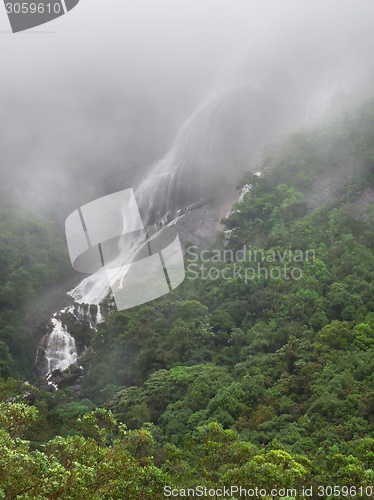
(92, 101)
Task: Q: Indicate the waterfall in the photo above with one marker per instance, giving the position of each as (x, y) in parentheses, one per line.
(58, 350)
(86, 314)
(188, 172)
(61, 351)
(191, 173)
(179, 181)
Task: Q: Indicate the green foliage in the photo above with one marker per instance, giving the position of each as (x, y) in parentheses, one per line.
(364, 336)
(271, 359)
(336, 335)
(76, 467)
(32, 258)
(259, 381)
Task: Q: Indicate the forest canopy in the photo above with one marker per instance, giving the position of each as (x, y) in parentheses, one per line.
(223, 381)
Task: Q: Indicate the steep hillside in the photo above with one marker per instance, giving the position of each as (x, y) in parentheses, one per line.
(258, 370)
(278, 355)
(33, 264)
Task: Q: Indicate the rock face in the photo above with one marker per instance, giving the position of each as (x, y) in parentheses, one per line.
(40, 369)
(91, 314)
(59, 353)
(364, 201)
(200, 225)
(327, 185)
(71, 378)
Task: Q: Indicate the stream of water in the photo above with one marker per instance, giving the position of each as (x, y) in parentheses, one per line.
(174, 185)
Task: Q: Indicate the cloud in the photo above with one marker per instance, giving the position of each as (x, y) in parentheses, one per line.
(97, 102)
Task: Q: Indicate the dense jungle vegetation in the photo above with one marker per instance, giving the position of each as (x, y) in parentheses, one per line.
(260, 382)
(33, 260)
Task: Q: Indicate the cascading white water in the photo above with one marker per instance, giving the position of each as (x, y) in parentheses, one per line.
(190, 170)
(179, 181)
(58, 350)
(183, 176)
(61, 351)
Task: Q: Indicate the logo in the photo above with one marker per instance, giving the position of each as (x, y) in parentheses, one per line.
(141, 263)
(26, 15)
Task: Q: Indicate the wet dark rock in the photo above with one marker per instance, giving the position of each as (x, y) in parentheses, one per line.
(199, 227)
(74, 369)
(68, 381)
(43, 385)
(329, 183)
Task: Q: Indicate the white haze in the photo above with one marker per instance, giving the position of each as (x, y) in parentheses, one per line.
(90, 107)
